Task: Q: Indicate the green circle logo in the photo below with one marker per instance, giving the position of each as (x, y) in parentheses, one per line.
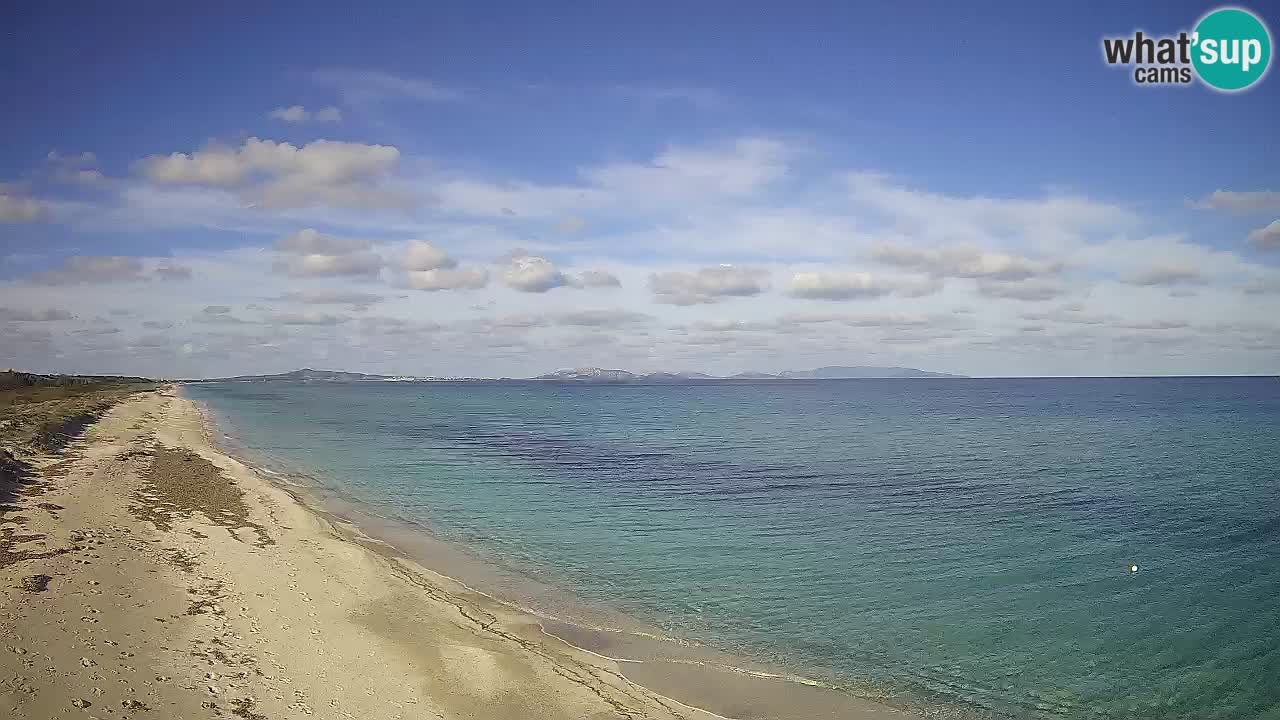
(1232, 49)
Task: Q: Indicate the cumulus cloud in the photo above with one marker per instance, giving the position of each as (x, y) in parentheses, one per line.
(364, 264)
(422, 256)
(1267, 237)
(299, 114)
(963, 261)
(29, 315)
(1254, 201)
(854, 285)
(461, 278)
(20, 209)
(707, 285)
(282, 175)
(310, 253)
(1167, 275)
(533, 274)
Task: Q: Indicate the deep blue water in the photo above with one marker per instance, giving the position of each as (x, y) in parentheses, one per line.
(965, 541)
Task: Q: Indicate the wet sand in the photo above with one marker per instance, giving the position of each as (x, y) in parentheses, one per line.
(147, 574)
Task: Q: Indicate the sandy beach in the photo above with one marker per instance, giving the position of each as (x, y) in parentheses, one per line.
(144, 573)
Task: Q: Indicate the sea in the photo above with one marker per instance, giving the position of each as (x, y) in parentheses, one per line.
(985, 548)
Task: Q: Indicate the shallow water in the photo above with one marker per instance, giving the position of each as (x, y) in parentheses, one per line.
(957, 543)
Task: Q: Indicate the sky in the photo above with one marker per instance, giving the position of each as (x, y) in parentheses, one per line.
(504, 189)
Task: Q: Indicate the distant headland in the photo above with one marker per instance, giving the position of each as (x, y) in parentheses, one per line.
(602, 376)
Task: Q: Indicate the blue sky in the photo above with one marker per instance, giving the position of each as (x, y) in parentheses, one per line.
(637, 140)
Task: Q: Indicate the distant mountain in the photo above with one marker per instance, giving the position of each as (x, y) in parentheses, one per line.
(590, 374)
(306, 375)
(839, 372)
(598, 375)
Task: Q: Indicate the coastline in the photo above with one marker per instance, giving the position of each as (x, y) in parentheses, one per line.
(695, 677)
(204, 589)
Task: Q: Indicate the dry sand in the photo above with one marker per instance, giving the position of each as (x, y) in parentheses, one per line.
(145, 574)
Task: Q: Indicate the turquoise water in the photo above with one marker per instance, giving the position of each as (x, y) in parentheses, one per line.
(962, 542)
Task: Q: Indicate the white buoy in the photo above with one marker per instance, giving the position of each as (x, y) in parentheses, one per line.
(1133, 568)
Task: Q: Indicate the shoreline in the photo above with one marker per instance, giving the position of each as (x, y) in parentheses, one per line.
(776, 690)
(150, 574)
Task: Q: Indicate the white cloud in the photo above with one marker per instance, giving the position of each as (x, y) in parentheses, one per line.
(281, 175)
(19, 209)
(1240, 201)
(422, 255)
(1168, 274)
(1267, 237)
(596, 279)
(299, 114)
(309, 252)
(855, 285)
(319, 265)
(310, 241)
(963, 261)
(461, 278)
(533, 274)
(707, 285)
